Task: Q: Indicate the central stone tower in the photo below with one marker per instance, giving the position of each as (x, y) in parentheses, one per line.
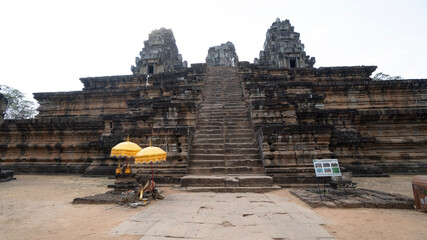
(160, 54)
(222, 55)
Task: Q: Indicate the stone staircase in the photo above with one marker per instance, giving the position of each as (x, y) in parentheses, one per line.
(225, 152)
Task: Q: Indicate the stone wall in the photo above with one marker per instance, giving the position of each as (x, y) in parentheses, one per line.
(49, 146)
(75, 131)
(372, 127)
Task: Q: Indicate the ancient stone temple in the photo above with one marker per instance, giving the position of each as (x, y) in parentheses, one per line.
(251, 125)
(283, 48)
(160, 54)
(222, 55)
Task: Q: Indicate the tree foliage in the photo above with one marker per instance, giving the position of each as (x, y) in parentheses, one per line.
(18, 107)
(382, 77)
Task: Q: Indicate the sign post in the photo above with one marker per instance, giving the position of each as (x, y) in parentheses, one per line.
(326, 168)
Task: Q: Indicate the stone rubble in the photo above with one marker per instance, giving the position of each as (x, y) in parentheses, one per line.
(6, 175)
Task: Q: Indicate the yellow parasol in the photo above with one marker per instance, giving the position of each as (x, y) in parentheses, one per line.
(149, 155)
(127, 149)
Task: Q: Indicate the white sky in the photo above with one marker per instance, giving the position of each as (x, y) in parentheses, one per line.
(47, 46)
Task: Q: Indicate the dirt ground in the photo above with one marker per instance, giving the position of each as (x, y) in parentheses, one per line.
(370, 223)
(39, 207)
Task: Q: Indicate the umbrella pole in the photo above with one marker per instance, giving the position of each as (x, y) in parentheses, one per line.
(152, 172)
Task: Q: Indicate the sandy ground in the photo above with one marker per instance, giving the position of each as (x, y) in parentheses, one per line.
(39, 207)
(369, 223)
(401, 184)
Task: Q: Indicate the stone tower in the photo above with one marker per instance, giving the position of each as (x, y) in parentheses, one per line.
(223, 55)
(283, 48)
(160, 54)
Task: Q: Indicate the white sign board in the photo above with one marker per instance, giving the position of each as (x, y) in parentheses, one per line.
(326, 167)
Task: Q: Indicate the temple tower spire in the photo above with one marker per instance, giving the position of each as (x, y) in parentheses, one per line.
(283, 48)
(160, 54)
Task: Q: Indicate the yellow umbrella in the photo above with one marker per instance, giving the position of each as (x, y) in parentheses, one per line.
(127, 149)
(149, 155)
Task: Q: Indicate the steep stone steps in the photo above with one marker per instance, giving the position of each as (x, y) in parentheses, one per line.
(239, 131)
(231, 189)
(231, 116)
(207, 163)
(226, 181)
(207, 156)
(246, 151)
(208, 121)
(213, 170)
(211, 113)
(241, 145)
(239, 135)
(244, 162)
(208, 151)
(201, 136)
(246, 148)
(215, 131)
(221, 140)
(221, 112)
(226, 170)
(210, 127)
(224, 141)
(209, 140)
(222, 156)
(223, 163)
(234, 132)
(241, 156)
(209, 145)
(232, 125)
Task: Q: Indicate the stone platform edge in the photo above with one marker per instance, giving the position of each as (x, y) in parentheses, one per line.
(356, 198)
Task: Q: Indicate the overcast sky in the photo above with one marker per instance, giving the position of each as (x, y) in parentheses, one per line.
(47, 46)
